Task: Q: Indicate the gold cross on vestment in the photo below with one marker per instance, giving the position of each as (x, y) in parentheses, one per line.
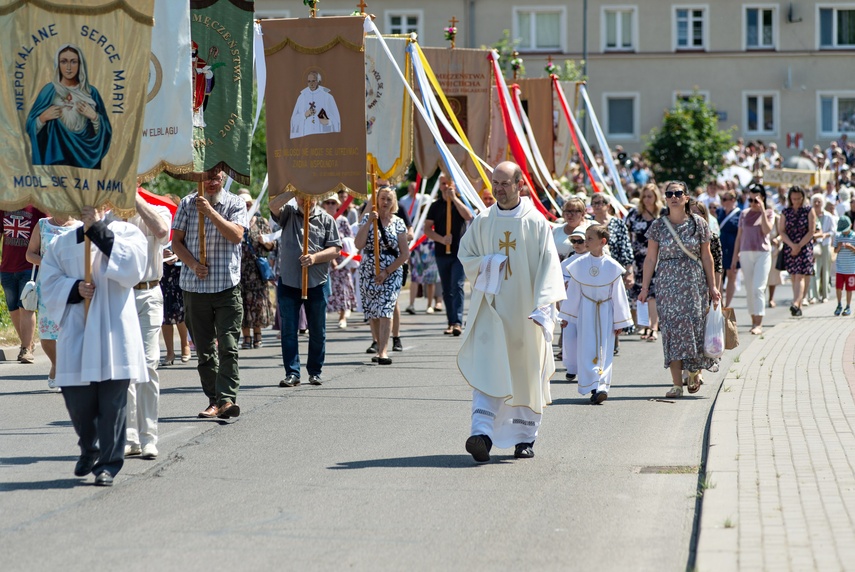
(507, 245)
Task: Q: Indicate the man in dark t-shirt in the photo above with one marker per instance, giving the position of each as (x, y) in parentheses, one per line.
(450, 269)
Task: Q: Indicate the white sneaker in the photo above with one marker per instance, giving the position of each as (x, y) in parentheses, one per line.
(132, 449)
(149, 451)
(429, 310)
(342, 324)
(52, 386)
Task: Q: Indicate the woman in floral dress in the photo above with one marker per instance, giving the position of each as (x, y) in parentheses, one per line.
(796, 231)
(342, 299)
(685, 285)
(638, 222)
(257, 307)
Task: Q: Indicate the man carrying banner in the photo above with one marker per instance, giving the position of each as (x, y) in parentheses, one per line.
(212, 300)
(99, 352)
(510, 259)
(153, 221)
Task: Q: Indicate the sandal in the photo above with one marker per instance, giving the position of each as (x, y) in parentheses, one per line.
(674, 392)
(645, 333)
(247, 343)
(652, 337)
(257, 343)
(694, 381)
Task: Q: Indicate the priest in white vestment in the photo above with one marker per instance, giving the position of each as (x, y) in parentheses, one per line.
(315, 110)
(100, 353)
(506, 355)
(597, 304)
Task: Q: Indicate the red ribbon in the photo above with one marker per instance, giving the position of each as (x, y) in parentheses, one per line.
(343, 206)
(566, 108)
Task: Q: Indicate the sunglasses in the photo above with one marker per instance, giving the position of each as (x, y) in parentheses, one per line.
(330, 203)
(727, 199)
(573, 211)
(669, 194)
(598, 203)
(577, 241)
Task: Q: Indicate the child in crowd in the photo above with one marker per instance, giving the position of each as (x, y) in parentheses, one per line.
(844, 247)
(568, 341)
(597, 304)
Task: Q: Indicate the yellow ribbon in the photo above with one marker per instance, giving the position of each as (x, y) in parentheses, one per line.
(435, 83)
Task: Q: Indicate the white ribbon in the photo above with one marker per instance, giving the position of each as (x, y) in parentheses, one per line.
(604, 145)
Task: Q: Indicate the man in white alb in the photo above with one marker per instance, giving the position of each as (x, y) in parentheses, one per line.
(315, 110)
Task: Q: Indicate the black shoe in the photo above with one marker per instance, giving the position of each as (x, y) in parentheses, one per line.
(598, 397)
(617, 351)
(374, 359)
(524, 451)
(798, 312)
(372, 349)
(384, 361)
(594, 397)
(793, 310)
(479, 447)
(104, 479)
(570, 377)
(84, 465)
(290, 380)
(315, 380)
(396, 344)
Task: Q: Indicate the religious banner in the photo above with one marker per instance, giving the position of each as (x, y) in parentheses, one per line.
(536, 96)
(71, 102)
(465, 78)
(388, 109)
(221, 61)
(316, 132)
(167, 134)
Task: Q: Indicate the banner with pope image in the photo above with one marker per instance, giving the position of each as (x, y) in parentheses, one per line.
(316, 127)
(72, 99)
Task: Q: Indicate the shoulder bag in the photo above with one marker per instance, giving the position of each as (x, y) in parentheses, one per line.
(29, 297)
(263, 265)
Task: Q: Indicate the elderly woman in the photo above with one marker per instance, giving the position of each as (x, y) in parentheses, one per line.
(826, 226)
(574, 217)
(342, 296)
(754, 252)
(380, 291)
(257, 308)
(638, 222)
(796, 228)
(678, 247)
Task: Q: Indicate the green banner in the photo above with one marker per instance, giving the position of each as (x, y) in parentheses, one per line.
(222, 44)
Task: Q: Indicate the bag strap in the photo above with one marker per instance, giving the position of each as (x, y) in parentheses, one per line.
(735, 211)
(33, 273)
(682, 246)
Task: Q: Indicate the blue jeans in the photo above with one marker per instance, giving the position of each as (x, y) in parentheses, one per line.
(452, 277)
(290, 300)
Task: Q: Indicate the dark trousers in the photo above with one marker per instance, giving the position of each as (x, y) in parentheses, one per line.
(453, 278)
(99, 415)
(216, 317)
(290, 300)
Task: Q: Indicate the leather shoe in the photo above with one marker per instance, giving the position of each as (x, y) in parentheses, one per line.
(84, 465)
(523, 451)
(209, 413)
(104, 479)
(290, 380)
(228, 410)
(479, 447)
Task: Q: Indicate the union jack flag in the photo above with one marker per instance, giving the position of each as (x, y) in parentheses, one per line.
(16, 226)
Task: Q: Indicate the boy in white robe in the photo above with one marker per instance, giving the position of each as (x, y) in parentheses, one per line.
(100, 353)
(597, 304)
(568, 340)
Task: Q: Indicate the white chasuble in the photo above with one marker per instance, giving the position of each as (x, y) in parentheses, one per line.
(105, 344)
(504, 353)
(596, 303)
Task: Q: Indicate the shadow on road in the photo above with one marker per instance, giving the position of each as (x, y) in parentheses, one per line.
(427, 461)
(43, 485)
(33, 460)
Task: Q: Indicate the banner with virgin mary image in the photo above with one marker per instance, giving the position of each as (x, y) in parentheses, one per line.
(316, 128)
(72, 99)
(167, 135)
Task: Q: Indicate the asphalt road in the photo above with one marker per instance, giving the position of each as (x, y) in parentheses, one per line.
(367, 472)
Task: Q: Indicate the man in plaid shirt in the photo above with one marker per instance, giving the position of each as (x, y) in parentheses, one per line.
(212, 298)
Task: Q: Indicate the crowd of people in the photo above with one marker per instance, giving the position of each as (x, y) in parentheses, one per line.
(651, 267)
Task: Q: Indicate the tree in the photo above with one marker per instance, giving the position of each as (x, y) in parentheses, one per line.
(506, 48)
(689, 145)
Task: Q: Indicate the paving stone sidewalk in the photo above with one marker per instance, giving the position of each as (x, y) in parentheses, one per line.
(780, 487)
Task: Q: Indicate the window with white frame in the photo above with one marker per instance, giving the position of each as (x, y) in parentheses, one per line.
(760, 112)
(540, 28)
(836, 113)
(836, 24)
(690, 27)
(760, 27)
(404, 22)
(618, 28)
(621, 115)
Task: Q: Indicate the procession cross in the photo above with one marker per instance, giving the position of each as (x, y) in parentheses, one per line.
(507, 245)
(362, 6)
(453, 23)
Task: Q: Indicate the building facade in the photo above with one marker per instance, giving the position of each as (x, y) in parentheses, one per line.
(777, 71)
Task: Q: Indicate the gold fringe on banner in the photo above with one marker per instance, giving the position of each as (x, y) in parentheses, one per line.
(164, 166)
(289, 188)
(314, 51)
(64, 8)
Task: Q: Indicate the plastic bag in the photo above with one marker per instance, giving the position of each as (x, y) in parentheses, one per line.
(714, 332)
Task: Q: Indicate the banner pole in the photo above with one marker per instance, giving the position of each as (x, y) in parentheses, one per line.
(307, 204)
(203, 255)
(448, 224)
(87, 277)
(376, 223)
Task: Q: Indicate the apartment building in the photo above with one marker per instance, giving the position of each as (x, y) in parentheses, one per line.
(777, 71)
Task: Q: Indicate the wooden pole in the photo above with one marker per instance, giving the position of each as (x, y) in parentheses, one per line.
(203, 255)
(307, 205)
(448, 224)
(87, 276)
(376, 223)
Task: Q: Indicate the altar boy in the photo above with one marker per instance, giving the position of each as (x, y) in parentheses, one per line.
(597, 304)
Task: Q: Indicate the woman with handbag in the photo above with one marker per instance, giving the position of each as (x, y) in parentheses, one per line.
(678, 249)
(754, 252)
(254, 288)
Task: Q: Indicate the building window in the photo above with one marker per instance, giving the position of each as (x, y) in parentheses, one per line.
(761, 113)
(621, 115)
(690, 27)
(404, 22)
(836, 113)
(837, 27)
(760, 28)
(684, 96)
(618, 29)
(540, 28)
